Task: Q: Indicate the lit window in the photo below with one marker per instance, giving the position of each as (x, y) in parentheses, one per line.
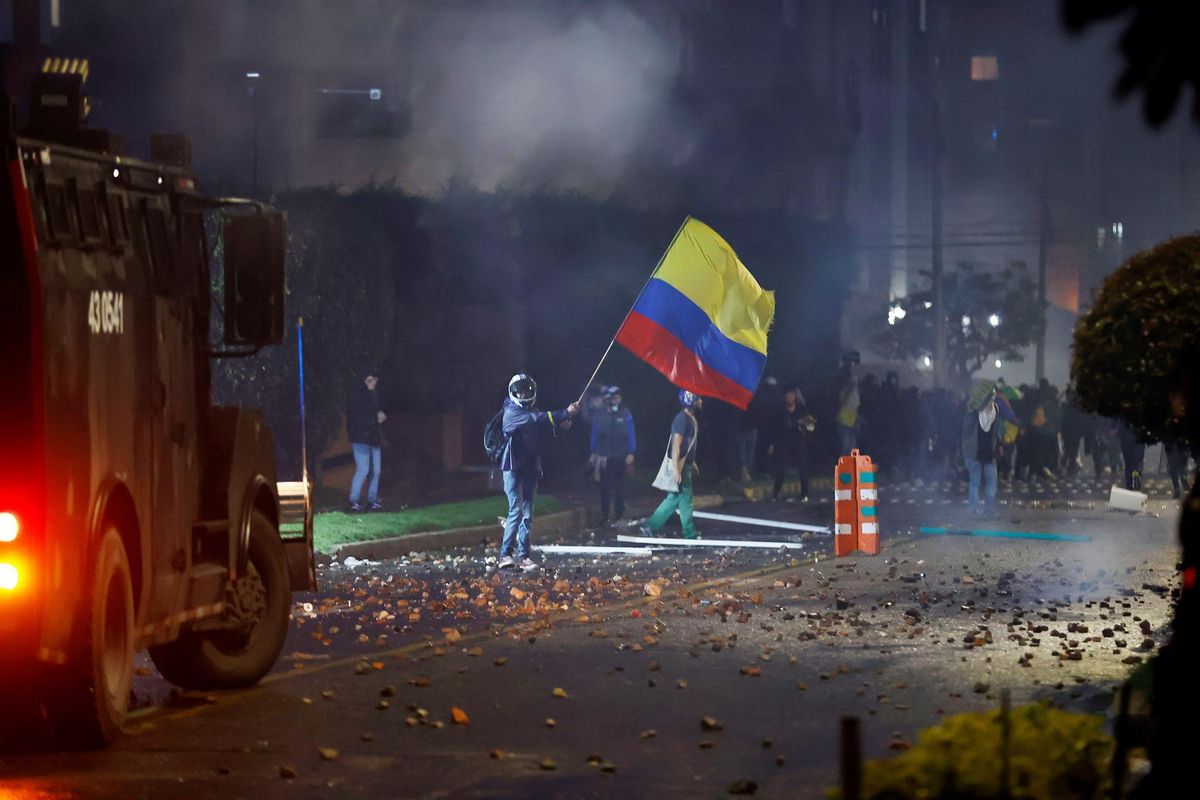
(985, 68)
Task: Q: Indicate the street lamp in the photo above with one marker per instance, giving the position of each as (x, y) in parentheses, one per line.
(994, 320)
(997, 363)
(252, 77)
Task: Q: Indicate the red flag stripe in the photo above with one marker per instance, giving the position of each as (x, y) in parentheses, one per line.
(664, 351)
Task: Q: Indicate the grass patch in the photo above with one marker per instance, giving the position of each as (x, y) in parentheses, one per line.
(333, 528)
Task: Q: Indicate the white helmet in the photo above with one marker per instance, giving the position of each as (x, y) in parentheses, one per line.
(522, 389)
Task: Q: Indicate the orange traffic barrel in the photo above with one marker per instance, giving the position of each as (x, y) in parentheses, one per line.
(855, 495)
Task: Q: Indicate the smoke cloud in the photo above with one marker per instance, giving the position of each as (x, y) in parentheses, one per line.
(531, 99)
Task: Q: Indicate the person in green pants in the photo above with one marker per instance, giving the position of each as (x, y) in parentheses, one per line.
(683, 452)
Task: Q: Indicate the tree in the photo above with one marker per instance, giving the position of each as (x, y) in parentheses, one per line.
(1158, 47)
(988, 315)
(1140, 343)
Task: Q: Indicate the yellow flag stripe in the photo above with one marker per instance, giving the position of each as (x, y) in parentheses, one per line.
(704, 268)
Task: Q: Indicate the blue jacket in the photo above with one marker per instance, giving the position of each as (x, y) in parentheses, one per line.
(612, 433)
(522, 428)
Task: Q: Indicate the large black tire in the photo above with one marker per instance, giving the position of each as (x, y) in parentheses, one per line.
(220, 660)
(87, 699)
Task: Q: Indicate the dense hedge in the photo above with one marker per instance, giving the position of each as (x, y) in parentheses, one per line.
(1142, 337)
(1052, 754)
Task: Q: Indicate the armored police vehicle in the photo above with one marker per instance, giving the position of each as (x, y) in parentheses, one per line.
(134, 513)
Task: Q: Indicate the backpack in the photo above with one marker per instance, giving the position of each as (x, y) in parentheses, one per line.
(494, 438)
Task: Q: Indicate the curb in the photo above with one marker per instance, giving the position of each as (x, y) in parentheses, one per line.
(556, 524)
(761, 490)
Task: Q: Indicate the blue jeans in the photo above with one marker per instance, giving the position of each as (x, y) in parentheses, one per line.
(989, 488)
(520, 490)
(747, 443)
(366, 459)
(847, 437)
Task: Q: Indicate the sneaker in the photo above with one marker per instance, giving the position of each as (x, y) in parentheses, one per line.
(375, 505)
(507, 562)
(1136, 481)
(528, 565)
(354, 508)
(646, 530)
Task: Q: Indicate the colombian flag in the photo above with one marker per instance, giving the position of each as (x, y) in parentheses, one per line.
(702, 320)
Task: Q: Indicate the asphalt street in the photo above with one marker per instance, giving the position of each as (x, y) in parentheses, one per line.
(689, 674)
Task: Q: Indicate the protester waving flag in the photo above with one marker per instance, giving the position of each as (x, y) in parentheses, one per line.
(702, 319)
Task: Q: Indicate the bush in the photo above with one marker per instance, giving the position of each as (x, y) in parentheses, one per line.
(1141, 338)
(1053, 754)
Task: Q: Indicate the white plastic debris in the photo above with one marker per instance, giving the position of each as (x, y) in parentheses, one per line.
(352, 563)
(568, 549)
(1125, 500)
(765, 523)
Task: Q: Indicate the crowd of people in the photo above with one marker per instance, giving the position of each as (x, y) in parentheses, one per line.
(994, 433)
(916, 435)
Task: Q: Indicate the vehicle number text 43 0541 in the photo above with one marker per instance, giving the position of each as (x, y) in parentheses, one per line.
(106, 312)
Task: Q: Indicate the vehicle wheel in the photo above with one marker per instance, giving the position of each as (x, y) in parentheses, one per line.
(238, 658)
(88, 699)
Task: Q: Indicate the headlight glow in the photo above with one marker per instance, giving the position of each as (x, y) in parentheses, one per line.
(9, 577)
(10, 526)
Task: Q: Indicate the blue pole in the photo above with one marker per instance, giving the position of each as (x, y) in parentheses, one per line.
(1048, 537)
(303, 427)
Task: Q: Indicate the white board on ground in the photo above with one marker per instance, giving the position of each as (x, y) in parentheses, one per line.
(580, 549)
(766, 523)
(709, 542)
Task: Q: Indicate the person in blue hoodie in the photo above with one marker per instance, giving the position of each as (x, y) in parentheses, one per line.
(522, 464)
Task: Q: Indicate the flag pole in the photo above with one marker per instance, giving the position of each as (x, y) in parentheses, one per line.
(613, 340)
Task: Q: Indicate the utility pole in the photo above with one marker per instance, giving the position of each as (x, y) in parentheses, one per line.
(20, 59)
(1043, 246)
(936, 175)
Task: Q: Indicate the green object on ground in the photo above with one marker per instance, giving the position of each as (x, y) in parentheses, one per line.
(1049, 537)
(332, 528)
(1052, 753)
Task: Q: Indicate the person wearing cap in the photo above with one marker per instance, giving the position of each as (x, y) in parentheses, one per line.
(522, 464)
(364, 429)
(613, 444)
(979, 436)
(684, 430)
